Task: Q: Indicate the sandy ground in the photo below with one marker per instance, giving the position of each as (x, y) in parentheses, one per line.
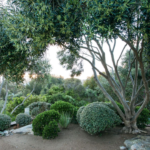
(73, 138)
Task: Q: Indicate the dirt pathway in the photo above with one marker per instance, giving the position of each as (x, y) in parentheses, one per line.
(73, 138)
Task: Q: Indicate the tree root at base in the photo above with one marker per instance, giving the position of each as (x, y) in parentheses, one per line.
(132, 130)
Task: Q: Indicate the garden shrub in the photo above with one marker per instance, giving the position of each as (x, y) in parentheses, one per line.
(5, 122)
(38, 107)
(18, 100)
(74, 118)
(62, 106)
(79, 113)
(60, 97)
(51, 130)
(23, 119)
(143, 118)
(35, 111)
(64, 120)
(43, 119)
(97, 117)
(12, 104)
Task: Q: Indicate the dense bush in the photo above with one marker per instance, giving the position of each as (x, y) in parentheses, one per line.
(64, 120)
(51, 130)
(55, 89)
(5, 122)
(38, 107)
(18, 100)
(97, 117)
(43, 119)
(62, 106)
(23, 119)
(143, 118)
(35, 111)
(59, 97)
(79, 113)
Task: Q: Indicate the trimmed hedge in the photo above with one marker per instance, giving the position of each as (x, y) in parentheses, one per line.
(51, 130)
(62, 106)
(43, 119)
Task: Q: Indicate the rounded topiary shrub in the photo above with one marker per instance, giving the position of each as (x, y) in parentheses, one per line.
(23, 119)
(43, 119)
(5, 122)
(79, 113)
(38, 107)
(62, 106)
(51, 130)
(97, 117)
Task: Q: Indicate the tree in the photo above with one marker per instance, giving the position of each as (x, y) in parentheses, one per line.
(82, 28)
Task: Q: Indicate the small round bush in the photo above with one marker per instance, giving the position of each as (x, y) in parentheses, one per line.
(62, 106)
(97, 117)
(23, 119)
(43, 119)
(5, 122)
(79, 113)
(51, 130)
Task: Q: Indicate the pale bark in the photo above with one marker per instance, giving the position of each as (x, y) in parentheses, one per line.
(4, 106)
(22, 101)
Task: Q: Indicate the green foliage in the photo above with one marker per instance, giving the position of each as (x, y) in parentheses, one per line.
(64, 120)
(62, 106)
(35, 111)
(143, 118)
(55, 89)
(43, 119)
(59, 97)
(91, 95)
(5, 122)
(97, 117)
(90, 83)
(12, 104)
(18, 100)
(23, 119)
(51, 130)
(79, 113)
(38, 107)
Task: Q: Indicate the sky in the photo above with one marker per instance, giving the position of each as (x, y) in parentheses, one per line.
(58, 70)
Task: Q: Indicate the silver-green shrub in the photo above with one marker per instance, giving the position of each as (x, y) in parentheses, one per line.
(35, 111)
(38, 107)
(23, 119)
(79, 113)
(97, 117)
(5, 122)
